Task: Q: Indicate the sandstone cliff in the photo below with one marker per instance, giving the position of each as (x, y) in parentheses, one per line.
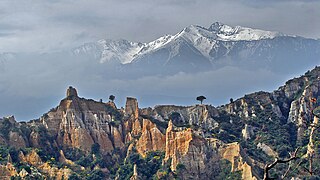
(93, 137)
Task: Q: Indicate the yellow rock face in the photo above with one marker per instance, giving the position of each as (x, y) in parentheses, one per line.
(151, 139)
(132, 107)
(231, 152)
(177, 144)
(33, 158)
(7, 171)
(54, 172)
(117, 138)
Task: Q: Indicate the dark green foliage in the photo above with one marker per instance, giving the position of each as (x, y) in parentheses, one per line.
(5, 127)
(147, 167)
(116, 115)
(160, 124)
(112, 98)
(96, 175)
(229, 129)
(85, 161)
(4, 151)
(74, 176)
(231, 100)
(125, 171)
(115, 123)
(14, 154)
(177, 120)
(24, 166)
(73, 154)
(251, 149)
(180, 166)
(200, 98)
(25, 130)
(225, 171)
(180, 169)
(47, 153)
(95, 148)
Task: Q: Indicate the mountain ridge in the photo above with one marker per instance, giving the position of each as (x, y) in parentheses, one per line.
(196, 49)
(217, 31)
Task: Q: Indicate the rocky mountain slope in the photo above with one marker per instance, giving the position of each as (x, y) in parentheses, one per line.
(87, 139)
(197, 48)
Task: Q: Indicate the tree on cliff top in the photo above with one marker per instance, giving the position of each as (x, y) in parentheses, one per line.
(112, 98)
(201, 98)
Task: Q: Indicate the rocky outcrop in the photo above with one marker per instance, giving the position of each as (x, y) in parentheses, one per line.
(79, 123)
(131, 108)
(23, 173)
(56, 173)
(247, 132)
(33, 158)
(199, 115)
(7, 171)
(231, 152)
(72, 92)
(194, 139)
(64, 160)
(151, 139)
(117, 137)
(177, 144)
(267, 149)
(16, 140)
(198, 155)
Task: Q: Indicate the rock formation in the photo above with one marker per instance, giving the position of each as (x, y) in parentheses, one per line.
(192, 141)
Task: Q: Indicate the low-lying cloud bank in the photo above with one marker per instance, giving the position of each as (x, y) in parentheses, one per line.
(31, 86)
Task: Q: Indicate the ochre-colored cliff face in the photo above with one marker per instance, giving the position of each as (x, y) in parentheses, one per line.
(132, 108)
(177, 144)
(231, 152)
(33, 159)
(79, 123)
(151, 139)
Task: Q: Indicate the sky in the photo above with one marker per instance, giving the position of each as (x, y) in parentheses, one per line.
(50, 25)
(31, 86)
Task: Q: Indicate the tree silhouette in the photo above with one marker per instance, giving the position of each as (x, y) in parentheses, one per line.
(112, 98)
(201, 98)
(231, 100)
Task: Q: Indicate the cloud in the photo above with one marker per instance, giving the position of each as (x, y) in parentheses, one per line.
(43, 25)
(32, 85)
(29, 90)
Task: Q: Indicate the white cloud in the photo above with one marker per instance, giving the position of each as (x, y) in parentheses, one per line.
(53, 24)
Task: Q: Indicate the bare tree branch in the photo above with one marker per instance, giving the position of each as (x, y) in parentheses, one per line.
(268, 167)
(287, 171)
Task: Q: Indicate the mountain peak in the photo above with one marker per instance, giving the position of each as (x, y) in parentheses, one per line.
(238, 33)
(216, 26)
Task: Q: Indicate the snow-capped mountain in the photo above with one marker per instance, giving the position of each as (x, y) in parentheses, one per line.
(220, 61)
(197, 48)
(202, 39)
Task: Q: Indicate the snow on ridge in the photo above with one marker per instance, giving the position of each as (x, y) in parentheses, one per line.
(203, 39)
(245, 34)
(119, 50)
(238, 33)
